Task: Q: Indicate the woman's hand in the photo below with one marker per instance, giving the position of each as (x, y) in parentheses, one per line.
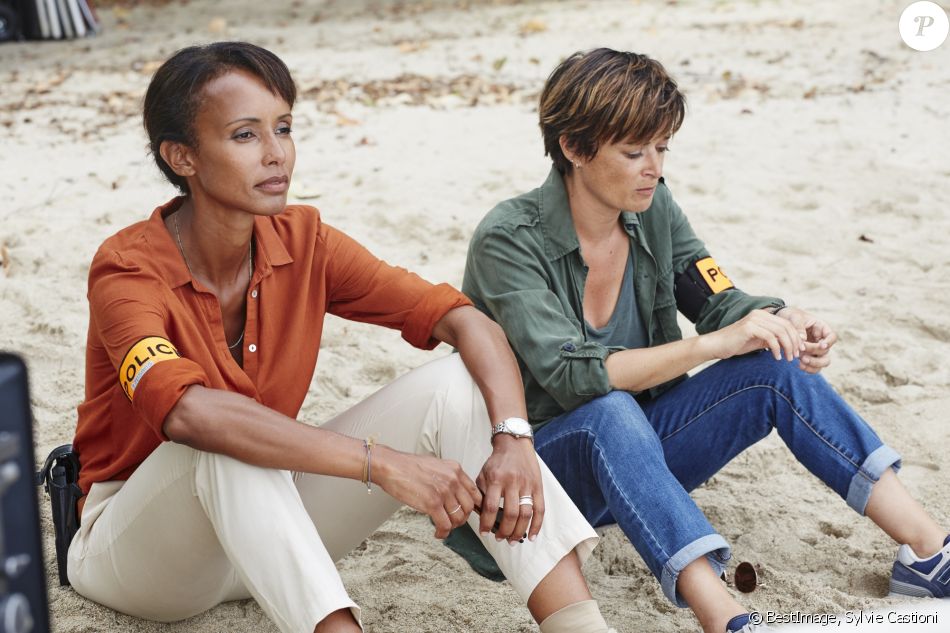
(437, 487)
(758, 330)
(510, 473)
(820, 338)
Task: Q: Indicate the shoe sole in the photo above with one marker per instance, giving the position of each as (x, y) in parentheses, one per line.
(899, 589)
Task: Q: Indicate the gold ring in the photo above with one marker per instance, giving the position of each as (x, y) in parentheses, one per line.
(459, 507)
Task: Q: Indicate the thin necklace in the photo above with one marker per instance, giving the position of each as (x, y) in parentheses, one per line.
(250, 270)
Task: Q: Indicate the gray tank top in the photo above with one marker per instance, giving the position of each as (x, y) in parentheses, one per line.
(625, 327)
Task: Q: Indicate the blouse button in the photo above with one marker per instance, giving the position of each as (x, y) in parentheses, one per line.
(254, 294)
(252, 347)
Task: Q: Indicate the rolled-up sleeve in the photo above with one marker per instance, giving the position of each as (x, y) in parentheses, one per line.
(127, 309)
(362, 287)
(507, 274)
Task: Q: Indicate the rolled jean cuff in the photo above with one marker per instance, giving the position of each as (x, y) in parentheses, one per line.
(877, 462)
(712, 546)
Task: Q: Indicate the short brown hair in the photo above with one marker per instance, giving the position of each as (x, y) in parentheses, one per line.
(605, 96)
(175, 92)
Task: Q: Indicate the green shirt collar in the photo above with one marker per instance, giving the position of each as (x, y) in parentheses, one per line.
(557, 226)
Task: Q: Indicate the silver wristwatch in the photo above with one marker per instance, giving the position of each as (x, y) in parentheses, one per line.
(517, 427)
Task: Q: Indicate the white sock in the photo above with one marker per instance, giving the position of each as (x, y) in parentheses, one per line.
(907, 555)
(580, 617)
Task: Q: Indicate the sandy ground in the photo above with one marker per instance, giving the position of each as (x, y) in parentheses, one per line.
(814, 162)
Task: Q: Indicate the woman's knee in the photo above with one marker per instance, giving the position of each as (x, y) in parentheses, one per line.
(445, 379)
(458, 392)
(778, 372)
(617, 417)
(456, 418)
(782, 387)
(215, 472)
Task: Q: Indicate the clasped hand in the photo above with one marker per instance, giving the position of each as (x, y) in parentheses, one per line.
(443, 491)
(790, 332)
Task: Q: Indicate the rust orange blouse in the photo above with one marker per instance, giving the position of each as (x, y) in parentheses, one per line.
(154, 330)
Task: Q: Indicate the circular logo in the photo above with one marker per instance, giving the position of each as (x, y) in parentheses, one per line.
(924, 26)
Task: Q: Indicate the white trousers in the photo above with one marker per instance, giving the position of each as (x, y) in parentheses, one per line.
(189, 529)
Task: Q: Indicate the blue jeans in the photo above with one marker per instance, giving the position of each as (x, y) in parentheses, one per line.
(634, 465)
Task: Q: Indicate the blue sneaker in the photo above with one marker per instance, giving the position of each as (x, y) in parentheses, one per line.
(921, 578)
(744, 624)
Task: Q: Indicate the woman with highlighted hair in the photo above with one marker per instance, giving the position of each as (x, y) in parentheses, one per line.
(205, 326)
(586, 274)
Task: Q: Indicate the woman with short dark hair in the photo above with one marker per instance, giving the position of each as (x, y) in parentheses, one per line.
(586, 273)
(205, 326)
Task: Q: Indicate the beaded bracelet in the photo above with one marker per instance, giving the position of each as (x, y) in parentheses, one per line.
(368, 444)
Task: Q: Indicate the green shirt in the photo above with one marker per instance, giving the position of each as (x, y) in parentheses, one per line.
(624, 328)
(524, 270)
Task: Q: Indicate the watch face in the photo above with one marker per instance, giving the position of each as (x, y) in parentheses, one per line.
(519, 426)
